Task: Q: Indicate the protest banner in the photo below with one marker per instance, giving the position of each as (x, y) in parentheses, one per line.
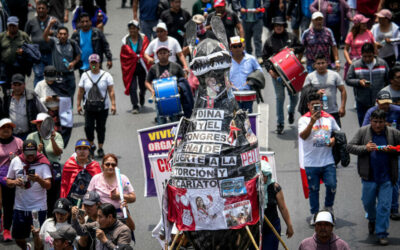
(157, 140)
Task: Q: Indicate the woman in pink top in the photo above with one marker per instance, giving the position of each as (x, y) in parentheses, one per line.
(106, 185)
(10, 147)
(355, 39)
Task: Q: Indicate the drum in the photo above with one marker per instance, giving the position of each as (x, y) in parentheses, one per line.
(168, 101)
(289, 69)
(245, 95)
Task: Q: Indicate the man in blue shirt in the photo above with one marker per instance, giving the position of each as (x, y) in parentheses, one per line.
(91, 41)
(378, 169)
(148, 15)
(242, 65)
(384, 102)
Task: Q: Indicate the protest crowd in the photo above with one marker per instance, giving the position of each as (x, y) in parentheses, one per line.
(83, 203)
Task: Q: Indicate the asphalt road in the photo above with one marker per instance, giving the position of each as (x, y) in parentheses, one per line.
(121, 139)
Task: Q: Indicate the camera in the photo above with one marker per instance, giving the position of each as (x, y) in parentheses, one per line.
(31, 172)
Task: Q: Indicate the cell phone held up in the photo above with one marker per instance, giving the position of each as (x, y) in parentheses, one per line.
(367, 83)
(31, 172)
(317, 108)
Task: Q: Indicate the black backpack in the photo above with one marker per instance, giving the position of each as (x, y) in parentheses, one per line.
(95, 100)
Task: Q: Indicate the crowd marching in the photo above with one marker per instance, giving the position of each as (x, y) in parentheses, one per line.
(78, 204)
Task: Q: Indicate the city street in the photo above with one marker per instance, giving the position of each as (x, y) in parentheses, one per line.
(122, 140)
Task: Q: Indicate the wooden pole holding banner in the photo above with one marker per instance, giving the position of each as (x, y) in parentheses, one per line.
(174, 241)
(275, 232)
(252, 238)
(181, 242)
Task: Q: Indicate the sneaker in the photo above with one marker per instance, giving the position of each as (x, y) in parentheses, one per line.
(7, 235)
(291, 118)
(141, 100)
(371, 227)
(279, 129)
(260, 60)
(312, 221)
(383, 241)
(135, 111)
(395, 216)
(100, 153)
(28, 246)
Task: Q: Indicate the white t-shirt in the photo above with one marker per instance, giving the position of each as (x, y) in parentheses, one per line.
(103, 84)
(43, 90)
(48, 227)
(33, 198)
(172, 45)
(329, 81)
(316, 153)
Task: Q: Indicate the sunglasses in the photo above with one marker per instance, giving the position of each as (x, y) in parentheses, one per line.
(110, 164)
(237, 46)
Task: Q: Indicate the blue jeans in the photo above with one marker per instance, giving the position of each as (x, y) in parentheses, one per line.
(328, 176)
(248, 105)
(253, 30)
(38, 69)
(280, 100)
(395, 196)
(371, 191)
(147, 26)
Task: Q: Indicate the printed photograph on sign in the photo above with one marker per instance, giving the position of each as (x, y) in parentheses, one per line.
(250, 136)
(237, 214)
(207, 210)
(232, 187)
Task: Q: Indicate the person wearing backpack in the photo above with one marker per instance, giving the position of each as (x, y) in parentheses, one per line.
(77, 172)
(95, 84)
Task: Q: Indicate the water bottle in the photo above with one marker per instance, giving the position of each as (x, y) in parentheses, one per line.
(327, 140)
(180, 32)
(66, 63)
(35, 219)
(394, 124)
(324, 102)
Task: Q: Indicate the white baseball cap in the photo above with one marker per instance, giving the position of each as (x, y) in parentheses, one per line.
(160, 25)
(324, 216)
(5, 121)
(40, 117)
(316, 15)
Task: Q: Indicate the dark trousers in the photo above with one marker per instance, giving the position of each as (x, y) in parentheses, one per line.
(66, 135)
(8, 205)
(337, 118)
(68, 83)
(336, 33)
(52, 195)
(139, 77)
(96, 120)
(102, 5)
(361, 110)
(20, 11)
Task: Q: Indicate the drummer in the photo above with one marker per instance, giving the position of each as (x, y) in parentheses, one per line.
(279, 39)
(163, 69)
(242, 65)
